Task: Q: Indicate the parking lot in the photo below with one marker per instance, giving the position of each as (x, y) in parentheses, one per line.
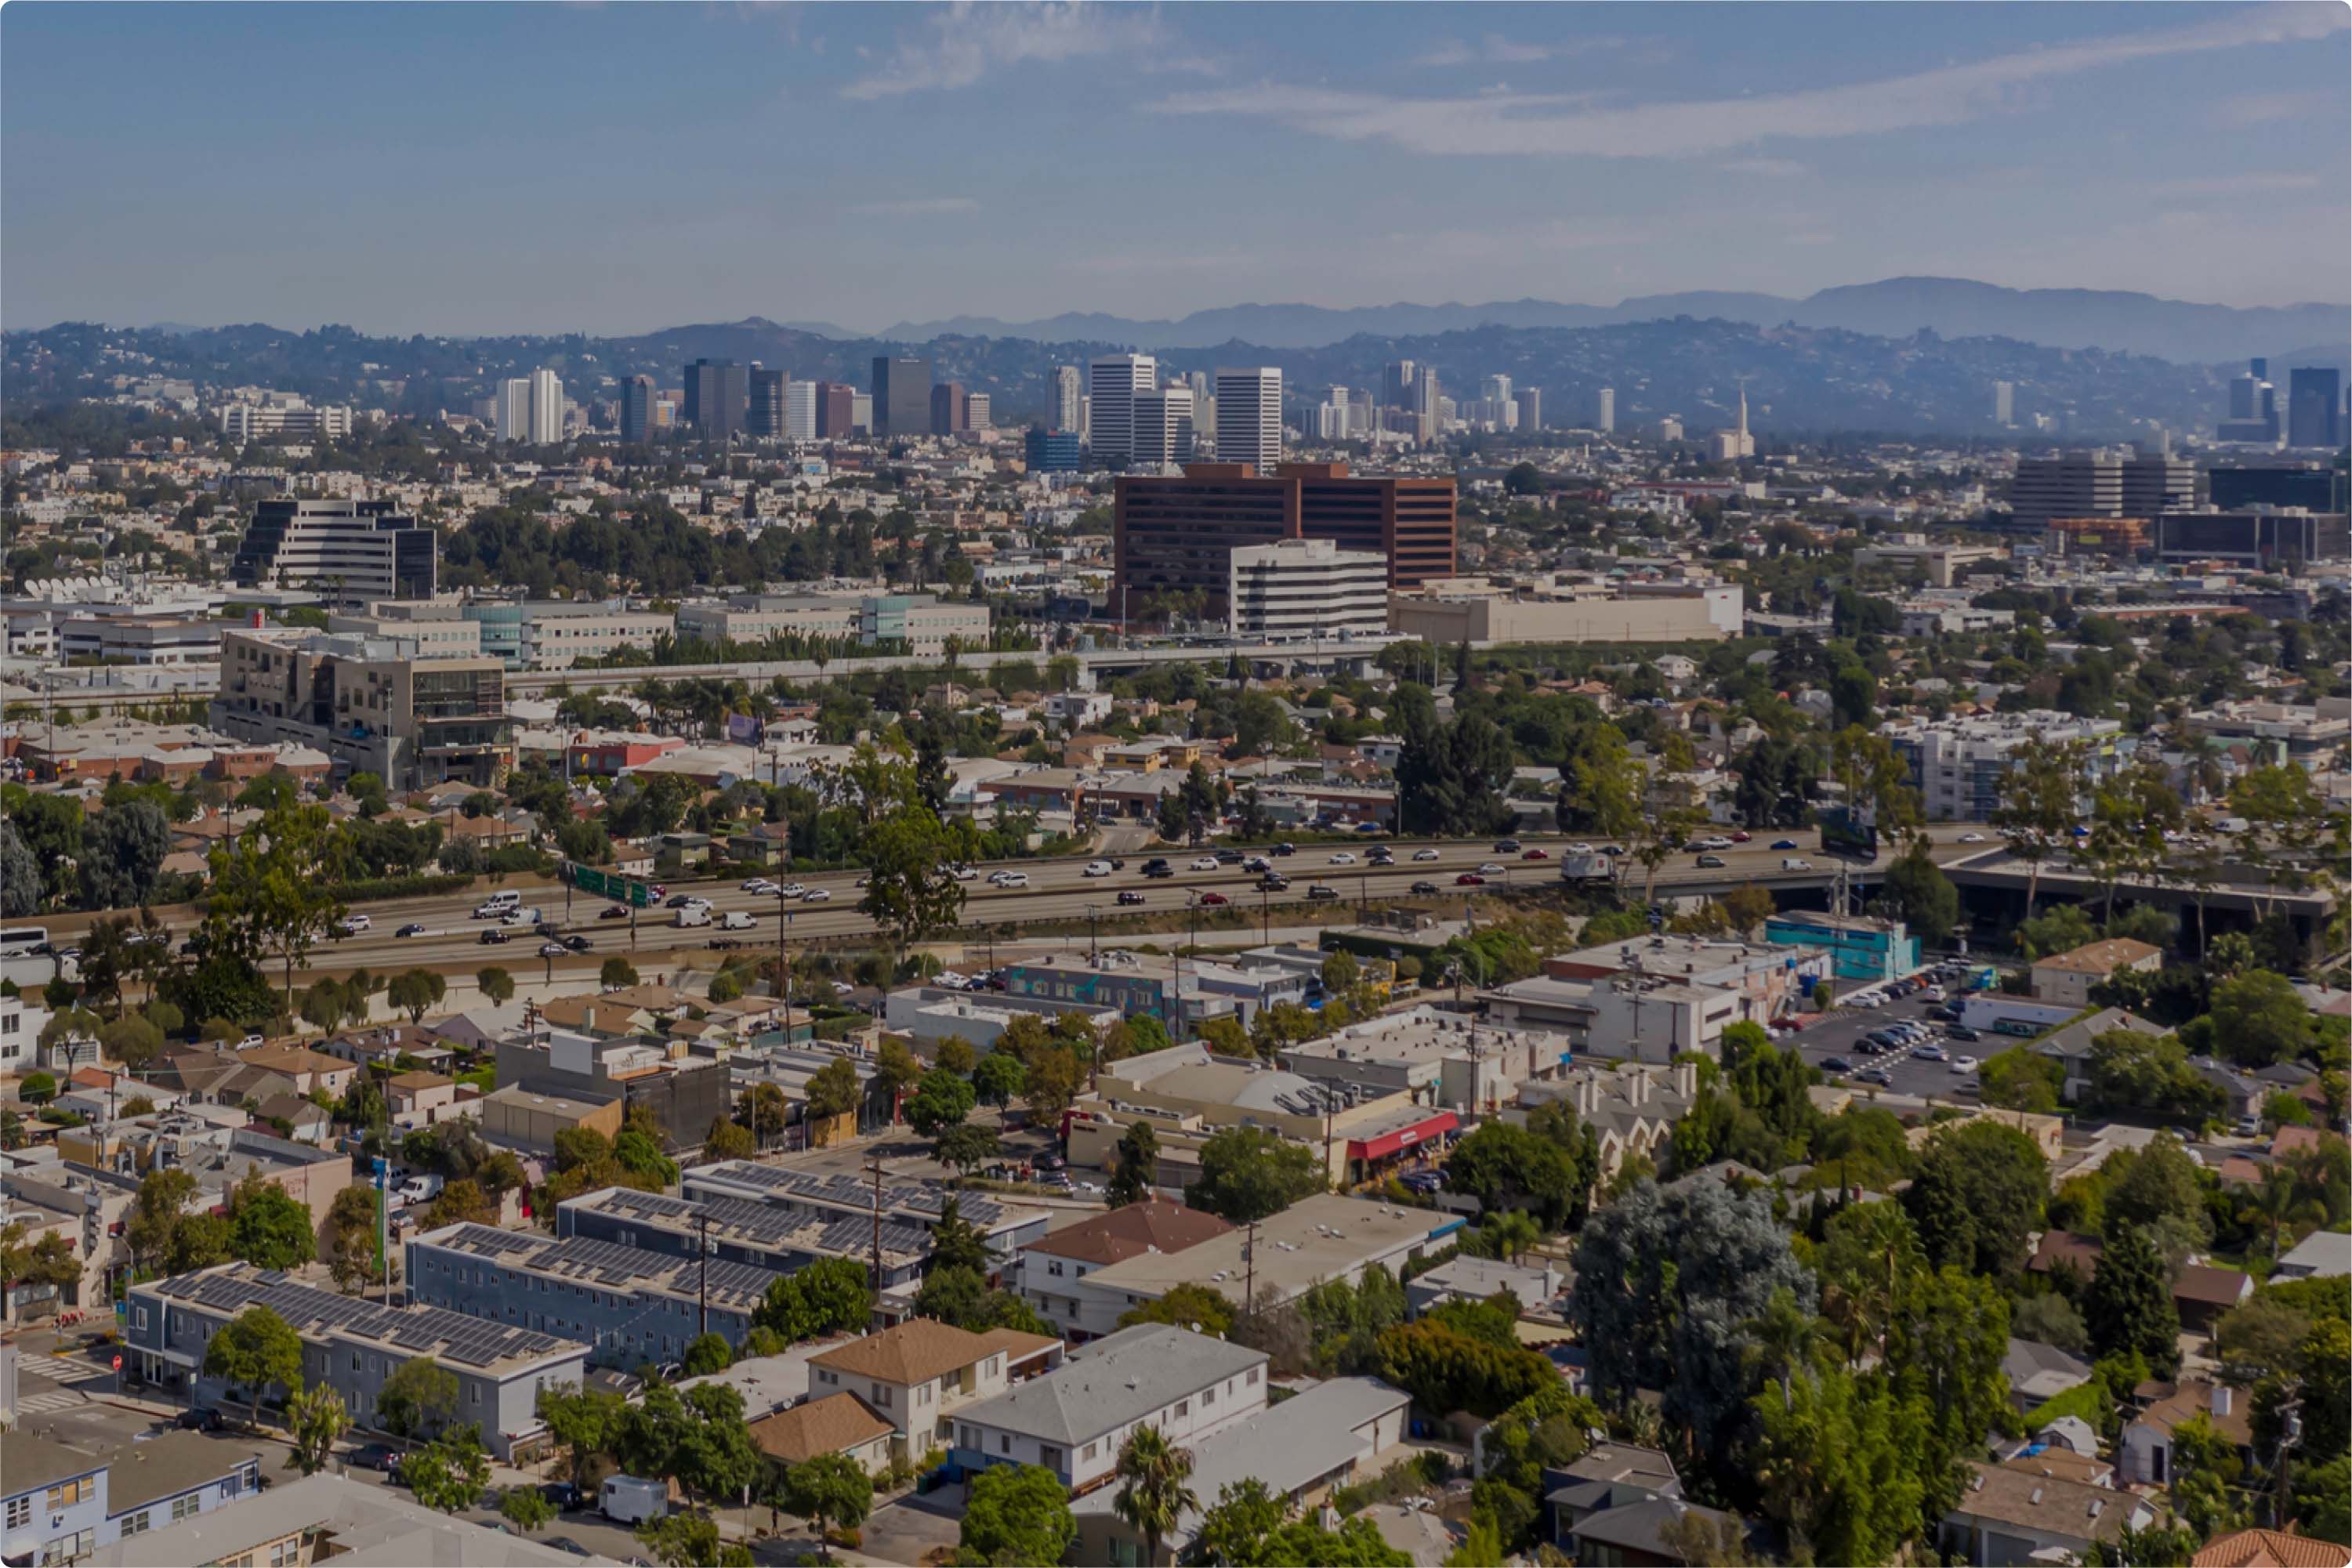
(1839, 1033)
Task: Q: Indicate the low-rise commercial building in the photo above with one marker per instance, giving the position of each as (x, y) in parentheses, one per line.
(922, 621)
(373, 705)
(353, 1345)
(616, 1305)
(1858, 947)
(63, 1503)
(1484, 613)
(1437, 1058)
(1298, 590)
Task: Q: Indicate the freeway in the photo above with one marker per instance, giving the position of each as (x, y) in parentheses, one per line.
(1059, 891)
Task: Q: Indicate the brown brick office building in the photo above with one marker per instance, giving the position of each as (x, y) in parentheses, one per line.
(1174, 535)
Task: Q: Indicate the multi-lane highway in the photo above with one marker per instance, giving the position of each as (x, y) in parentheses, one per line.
(1057, 891)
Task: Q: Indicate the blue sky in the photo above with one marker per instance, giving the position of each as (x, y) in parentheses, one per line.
(469, 168)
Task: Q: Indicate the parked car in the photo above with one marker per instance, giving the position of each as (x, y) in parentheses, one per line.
(202, 1419)
(1837, 1064)
(381, 1458)
(628, 1499)
(1963, 1065)
(1878, 1075)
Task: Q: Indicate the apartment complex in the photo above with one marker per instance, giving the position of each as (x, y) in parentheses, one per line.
(1293, 590)
(1958, 764)
(371, 703)
(348, 551)
(353, 1345)
(1175, 536)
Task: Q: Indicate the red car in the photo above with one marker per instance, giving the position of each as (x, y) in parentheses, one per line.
(1742, 836)
(1535, 855)
(1211, 900)
(1469, 879)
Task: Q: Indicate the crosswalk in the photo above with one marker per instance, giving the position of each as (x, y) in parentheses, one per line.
(49, 1403)
(49, 1384)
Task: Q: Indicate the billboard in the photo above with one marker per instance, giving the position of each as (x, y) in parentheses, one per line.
(1850, 831)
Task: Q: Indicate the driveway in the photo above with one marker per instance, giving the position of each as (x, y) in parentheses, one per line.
(914, 1530)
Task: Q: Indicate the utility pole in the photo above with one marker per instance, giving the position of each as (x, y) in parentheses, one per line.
(1249, 1278)
(874, 1168)
(1094, 953)
(702, 1284)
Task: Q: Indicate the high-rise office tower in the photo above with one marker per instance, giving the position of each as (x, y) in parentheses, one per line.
(1497, 390)
(2245, 396)
(800, 410)
(1430, 404)
(835, 416)
(2314, 395)
(1531, 408)
(1399, 385)
(2004, 403)
(948, 417)
(718, 398)
(861, 411)
(636, 409)
(763, 412)
(902, 396)
(979, 411)
(546, 409)
(1069, 390)
(1112, 384)
(512, 409)
(1249, 415)
(1053, 451)
(1604, 417)
(1164, 427)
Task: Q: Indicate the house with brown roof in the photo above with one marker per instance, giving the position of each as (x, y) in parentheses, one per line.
(915, 1374)
(836, 1424)
(2144, 1453)
(2065, 979)
(1049, 1266)
(2008, 1515)
(2205, 1291)
(308, 1070)
(2270, 1548)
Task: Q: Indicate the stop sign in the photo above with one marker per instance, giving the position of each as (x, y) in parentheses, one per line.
(117, 1363)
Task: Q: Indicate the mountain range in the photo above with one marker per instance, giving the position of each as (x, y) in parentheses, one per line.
(2173, 330)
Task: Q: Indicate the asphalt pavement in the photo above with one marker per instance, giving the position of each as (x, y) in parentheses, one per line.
(1839, 1032)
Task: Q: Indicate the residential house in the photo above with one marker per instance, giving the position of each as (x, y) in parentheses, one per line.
(1532, 1282)
(1073, 1421)
(2071, 1047)
(63, 1501)
(2007, 1515)
(919, 1374)
(2065, 979)
(1643, 1533)
(1301, 1450)
(2204, 1291)
(837, 1424)
(420, 1098)
(328, 1517)
(1606, 1476)
(1049, 1268)
(2144, 1453)
(2270, 1548)
(2038, 1373)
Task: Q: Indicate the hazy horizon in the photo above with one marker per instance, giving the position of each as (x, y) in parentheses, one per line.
(465, 170)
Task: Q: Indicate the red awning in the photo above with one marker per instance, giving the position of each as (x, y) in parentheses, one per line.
(1387, 1143)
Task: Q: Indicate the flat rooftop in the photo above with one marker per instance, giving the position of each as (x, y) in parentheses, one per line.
(607, 1264)
(1316, 1239)
(474, 1343)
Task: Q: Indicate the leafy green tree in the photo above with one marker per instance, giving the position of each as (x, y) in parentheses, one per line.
(2129, 1308)
(527, 1508)
(257, 1350)
(586, 1422)
(1919, 894)
(967, 1146)
(2039, 801)
(2256, 1019)
(1251, 1173)
(23, 888)
(122, 855)
(418, 1396)
(273, 890)
(830, 1296)
(1508, 1167)
(910, 858)
(1135, 1167)
(1015, 1514)
(997, 1078)
(615, 973)
(267, 1227)
(833, 1090)
(689, 1538)
(316, 1420)
(1153, 1496)
(450, 1474)
(1832, 1462)
(416, 993)
(1235, 1527)
(2022, 1078)
(707, 1353)
(955, 1054)
(942, 1101)
(1980, 1190)
(1202, 1308)
(1447, 1371)
(826, 1491)
(728, 1141)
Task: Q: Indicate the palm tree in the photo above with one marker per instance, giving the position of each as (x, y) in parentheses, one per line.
(1153, 1497)
(1783, 1338)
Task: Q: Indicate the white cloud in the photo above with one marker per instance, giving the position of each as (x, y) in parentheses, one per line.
(1495, 50)
(2247, 184)
(919, 206)
(1497, 124)
(959, 44)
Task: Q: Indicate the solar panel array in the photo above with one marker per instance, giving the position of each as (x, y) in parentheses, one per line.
(919, 1200)
(606, 1262)
(448, 1335)
(764, 1225)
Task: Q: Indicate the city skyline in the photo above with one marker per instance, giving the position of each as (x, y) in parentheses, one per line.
(867, 166)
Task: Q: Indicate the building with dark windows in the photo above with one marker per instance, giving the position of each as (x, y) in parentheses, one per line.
(902, 396)
(836, 411)
(636, 409)
(374, 704)
(2314, 486)
(951, 410)
(763, 413)
(2314, 405)
(351, 552)
(1175, 536)
(718, 398)
(2261, 539)
(1055, 451)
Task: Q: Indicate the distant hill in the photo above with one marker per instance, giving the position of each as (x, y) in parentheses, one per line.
(1895, 307)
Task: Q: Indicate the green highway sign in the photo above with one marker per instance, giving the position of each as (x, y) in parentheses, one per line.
(610, 884)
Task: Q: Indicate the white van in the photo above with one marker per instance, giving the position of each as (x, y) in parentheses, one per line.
(1099, 868)
(694, 915)
(627, 1500)
(498, 905)
(738, 920)
(1789, 863)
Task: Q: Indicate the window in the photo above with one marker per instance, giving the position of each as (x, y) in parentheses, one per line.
(1208, 1397)
(881, 1397)
(184, 1508)
(1004, 1444)
(1089, 1451)
(70, 1493)
(474, 1395)
(140, 1317)
(138, 1524)
(1049, 1457)
(20, 1511)
(1183, 1408)
(285, 1553)
(1054, 1267)
(355, 1360)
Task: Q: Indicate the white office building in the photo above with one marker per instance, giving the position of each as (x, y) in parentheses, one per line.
(511, 411)
(1164, 427)
(1303, 589)
(546, 409)
(288, 417)
(1249, 416)
(1604, 417)
(1069, 398)
(1112, 388)
(800, 410)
